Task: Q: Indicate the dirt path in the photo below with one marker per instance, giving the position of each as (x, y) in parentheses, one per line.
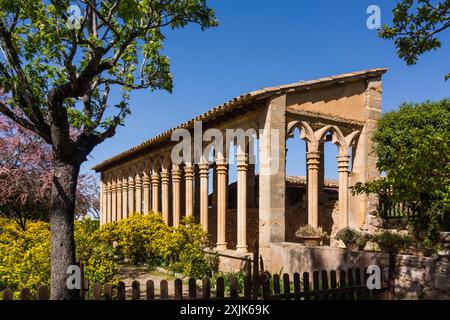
(128, 274)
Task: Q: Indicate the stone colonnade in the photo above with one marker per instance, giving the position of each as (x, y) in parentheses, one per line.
(151, 186)
(343, 109)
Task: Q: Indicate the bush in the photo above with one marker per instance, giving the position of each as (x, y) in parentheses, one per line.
(147, 239)
(392, 241)
(25, 255)
(185, 250)
(351, 236)
(310, 231)
(139, 238)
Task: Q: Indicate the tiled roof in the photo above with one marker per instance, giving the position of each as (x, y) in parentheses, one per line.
(239, 101)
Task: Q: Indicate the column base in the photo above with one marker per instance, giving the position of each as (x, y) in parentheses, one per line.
(242, 249)
(221, 246)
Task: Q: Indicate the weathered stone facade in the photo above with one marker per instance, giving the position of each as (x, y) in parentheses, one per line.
(340, 109)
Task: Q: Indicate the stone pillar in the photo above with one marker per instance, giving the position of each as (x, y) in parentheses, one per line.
(343, 162)
(138, 196)
(313, 164)
(146, 186)
(176, 180)
(165, 178)
(114, 199)
(221, 171)
(125, 213)
(131, 194)
(204, 173)
(119, 215)
(189, 178)
(242, 168)
(272, 176)
(155, 191)
(103, 201)
(108, 199)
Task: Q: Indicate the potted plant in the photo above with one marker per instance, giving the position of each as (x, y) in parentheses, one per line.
(389, 241)
(310, 236)
(354, 240)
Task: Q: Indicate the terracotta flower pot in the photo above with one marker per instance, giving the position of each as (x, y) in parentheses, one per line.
(311, 241)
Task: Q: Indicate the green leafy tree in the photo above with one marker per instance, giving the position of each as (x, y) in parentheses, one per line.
(417, 26)
(413, 146)
(59, 65)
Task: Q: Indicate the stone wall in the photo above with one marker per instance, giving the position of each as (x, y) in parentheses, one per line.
(416, 277)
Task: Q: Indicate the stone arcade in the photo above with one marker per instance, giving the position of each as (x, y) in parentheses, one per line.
(342, 109)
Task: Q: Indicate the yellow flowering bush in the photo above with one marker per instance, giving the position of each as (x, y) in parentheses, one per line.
(147, 239)
(25, 255)
(138, 238)
(184, 250)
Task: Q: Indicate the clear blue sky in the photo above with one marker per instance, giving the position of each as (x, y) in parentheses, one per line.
(265, 43)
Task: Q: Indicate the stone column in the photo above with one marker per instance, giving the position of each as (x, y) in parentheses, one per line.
(165, 178)
(242, 168)
(125, 213)
(103, 201)
(313, 164)
(221, 171)
(114, 199)
(155, 191)
(343, 162)
(119, 215)
(176, 180)
(108, 199)
(138, 195)
(131, 195)
(272, 176)
(203, 173)
(146, 186)
(189, 178)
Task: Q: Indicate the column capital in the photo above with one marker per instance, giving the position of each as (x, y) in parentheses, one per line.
(242, 161)
(343, 162)
(221, 168)
(146, 180)
(189, 172)
(131, 182)
(176, 174)
(203, 170)
(165, 177)
(313, 160)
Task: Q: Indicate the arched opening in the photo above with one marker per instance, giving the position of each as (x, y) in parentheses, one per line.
(296, 206)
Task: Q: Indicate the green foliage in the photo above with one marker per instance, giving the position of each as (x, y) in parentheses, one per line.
(413, 146)
(392, 240)
(416, 27)
(349, 235)
(138, 238)
(310, 231)
(81, 54)
(98, 258)
(185, 250)
(147, 239)
(25, 255)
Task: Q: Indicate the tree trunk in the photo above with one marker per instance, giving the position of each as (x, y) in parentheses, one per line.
(62, 227)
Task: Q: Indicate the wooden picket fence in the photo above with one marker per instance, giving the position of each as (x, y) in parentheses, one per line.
(323, 285)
